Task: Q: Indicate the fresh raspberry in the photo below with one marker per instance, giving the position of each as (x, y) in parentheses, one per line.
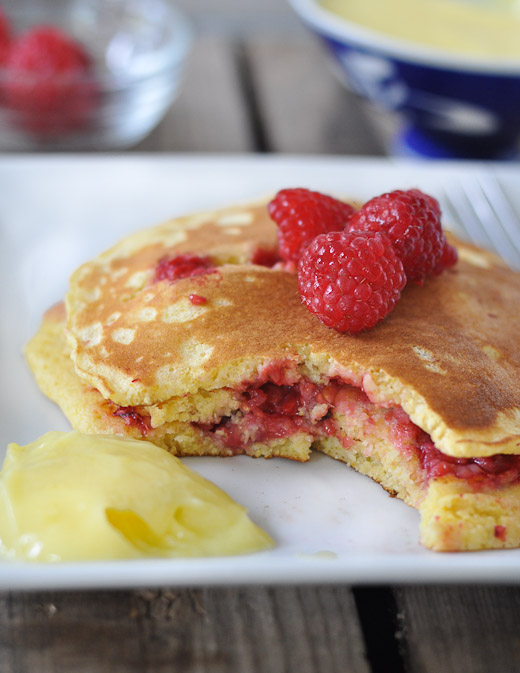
(182, 266)
(47, 81)
(301, 215)
(5, 37)
(412, 219)
(351, 280)
(449, 257)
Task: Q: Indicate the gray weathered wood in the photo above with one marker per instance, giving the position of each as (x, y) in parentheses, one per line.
(241, 17)
(474, 629)
(195, 631)
(209, 114)
(302, 105)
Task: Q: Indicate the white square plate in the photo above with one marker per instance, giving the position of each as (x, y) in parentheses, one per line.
(329, 523)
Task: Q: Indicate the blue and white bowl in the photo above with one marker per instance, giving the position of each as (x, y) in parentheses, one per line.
(451, 106)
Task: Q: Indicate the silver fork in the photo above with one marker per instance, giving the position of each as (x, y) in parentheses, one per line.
(483, 212)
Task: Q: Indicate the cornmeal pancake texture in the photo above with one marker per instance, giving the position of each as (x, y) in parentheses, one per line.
(181, 363)
(448, 354)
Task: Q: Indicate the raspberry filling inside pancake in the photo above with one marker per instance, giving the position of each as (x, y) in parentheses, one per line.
(280, 403)
(272, 410)
(132, 417)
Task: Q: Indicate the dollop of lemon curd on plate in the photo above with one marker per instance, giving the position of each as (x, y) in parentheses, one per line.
(72, 496)
(486, 28)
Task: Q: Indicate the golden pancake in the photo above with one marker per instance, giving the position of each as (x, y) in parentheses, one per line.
(88, 411)
(230, 361)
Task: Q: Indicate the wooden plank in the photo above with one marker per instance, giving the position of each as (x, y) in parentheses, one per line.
(210, 114)
(377, 612)
(302, 105)
(472, 629)
(271, 630)
(238, 17)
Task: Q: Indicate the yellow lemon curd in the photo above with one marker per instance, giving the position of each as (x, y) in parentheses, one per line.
(72, 496)
(485, 28)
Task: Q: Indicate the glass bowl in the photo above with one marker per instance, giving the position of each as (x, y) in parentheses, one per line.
(137, 50)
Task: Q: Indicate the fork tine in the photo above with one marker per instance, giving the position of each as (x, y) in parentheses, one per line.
(463, 214)
(507, 218)
(486, 216)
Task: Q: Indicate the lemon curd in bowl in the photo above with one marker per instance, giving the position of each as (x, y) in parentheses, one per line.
(448, 70)
(486, 29)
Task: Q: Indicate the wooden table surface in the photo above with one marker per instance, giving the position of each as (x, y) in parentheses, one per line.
(256, 82)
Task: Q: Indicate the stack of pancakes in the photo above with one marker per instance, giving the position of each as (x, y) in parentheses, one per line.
(229, 361)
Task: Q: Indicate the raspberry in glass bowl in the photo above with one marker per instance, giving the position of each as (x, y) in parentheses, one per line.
(87, 74)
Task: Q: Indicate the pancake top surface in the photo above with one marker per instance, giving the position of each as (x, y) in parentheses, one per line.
(448, 353)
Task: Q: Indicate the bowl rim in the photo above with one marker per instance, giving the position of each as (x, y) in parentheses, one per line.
(335, 26)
